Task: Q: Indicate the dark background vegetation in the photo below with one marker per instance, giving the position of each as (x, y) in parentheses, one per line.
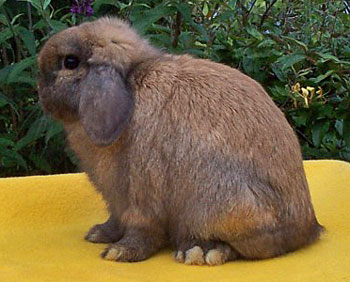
(298, 50)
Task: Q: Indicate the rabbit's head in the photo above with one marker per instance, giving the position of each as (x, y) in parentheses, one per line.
(83, 73)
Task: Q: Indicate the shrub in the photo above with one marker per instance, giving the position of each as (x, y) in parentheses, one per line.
(298, 50)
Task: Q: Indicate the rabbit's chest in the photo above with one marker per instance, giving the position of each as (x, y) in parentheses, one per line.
(99, 162)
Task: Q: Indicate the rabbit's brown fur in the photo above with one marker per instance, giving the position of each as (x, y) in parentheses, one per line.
(205, 159)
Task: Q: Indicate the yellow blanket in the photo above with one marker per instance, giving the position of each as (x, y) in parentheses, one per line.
(43, 220)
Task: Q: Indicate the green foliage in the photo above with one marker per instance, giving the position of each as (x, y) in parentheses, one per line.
(298, 50)
(30, 142)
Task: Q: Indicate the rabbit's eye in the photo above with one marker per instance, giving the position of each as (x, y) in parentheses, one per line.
(71, 62)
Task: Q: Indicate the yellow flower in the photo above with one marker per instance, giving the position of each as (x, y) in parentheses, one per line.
(296, 87)
(311, 90)
(319, 92)
(305, 92)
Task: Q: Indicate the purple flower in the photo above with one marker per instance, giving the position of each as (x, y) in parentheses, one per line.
(82, 7)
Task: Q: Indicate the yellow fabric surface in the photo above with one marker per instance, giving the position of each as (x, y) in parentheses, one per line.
(43, 220)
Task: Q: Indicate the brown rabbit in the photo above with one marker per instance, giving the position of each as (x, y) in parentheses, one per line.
(183, 150)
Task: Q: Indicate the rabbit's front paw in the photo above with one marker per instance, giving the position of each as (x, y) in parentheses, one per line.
(107, 232)
(125, 253)
(210, 253)
(136, 245)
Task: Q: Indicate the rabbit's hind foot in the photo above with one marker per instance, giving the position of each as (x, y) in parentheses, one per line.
(209, 253)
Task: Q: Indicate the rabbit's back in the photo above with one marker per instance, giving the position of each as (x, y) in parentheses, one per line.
(202, 103)
(213, 101)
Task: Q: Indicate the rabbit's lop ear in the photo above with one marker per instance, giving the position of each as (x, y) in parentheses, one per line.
(106, 104)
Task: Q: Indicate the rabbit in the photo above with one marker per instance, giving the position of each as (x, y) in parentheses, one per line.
(186, 152)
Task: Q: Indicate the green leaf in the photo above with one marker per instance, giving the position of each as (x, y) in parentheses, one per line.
(13, 21)
(159, 29)
(5, 35)
(35, 3)
(330, 141)
(3, 100)
(185, 11)
(322, 77)
(25, 77)
(346, 130)
(232, 4)
(266, 43)
(98, 3)
(20, 67)
(205, 10)
(279, 72)
(300, 120)
(250, 65)
(318, 131)
(346, 51)
(255, 33)
(339, 125)
(40, 24)
(279, 94)
(54, 128)
(40, 162)
(203, 31)
(7, 101)
(160, 40)
(2, 2)
(327, 56)
(14, 156)
(290, 60)
(34, 132)
(3, 19)
(46, 4)
(57, 25)
(297, 42)
(143, 21)
(5, 162)
(28, 40)
(6, 142)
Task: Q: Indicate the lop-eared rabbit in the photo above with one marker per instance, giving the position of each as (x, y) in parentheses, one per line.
(183, 150)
